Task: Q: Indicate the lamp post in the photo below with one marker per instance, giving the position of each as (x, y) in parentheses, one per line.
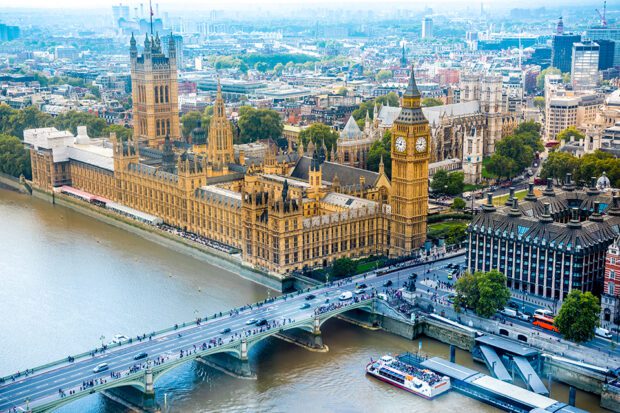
(102, 338)
(196, 315)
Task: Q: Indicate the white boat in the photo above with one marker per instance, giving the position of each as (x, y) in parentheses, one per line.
(422, 382)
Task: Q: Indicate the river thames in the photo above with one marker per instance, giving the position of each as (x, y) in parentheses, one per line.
(67, 280)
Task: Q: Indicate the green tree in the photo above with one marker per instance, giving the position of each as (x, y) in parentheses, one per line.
(569, 132)
(381, 149)
(260, 124)
(484, 292)
(566, 77)
(578, 316)
(459, 204)
(189, 122)
(342, 91)
(14, 158)
(261, 67)
(439, 183)
(558, 164)
(72, 119)
(540, 79)
(319, 133)
(343, 267)
(120, 131)
(278, 69)
(27, 118)
(6, 112)
(500, 166)
(391, 98)
(428, 102)
(514, 147)
(456, 183)
(539, 102)
(383, 75)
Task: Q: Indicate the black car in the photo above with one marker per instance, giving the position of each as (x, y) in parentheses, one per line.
(310, 297)
(261, 322)
(362, 285)
(514, 305)
(388, 283)
(225, 331)
(142, 355)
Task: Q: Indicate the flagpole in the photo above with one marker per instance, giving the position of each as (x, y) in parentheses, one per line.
(151, 15)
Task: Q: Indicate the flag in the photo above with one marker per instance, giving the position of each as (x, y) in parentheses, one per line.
(151, 8)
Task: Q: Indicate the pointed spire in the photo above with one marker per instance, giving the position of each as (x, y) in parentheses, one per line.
(412, 87)
(381, 166)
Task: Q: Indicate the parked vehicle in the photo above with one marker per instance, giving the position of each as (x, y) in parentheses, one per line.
(544, 312)
(602, 332)
(545, 323)
(509, 312)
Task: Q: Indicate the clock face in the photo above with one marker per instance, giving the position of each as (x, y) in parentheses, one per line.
(400, 144)
(420, 144)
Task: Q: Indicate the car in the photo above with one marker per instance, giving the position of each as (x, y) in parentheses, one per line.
(347, 295)
(382, 296)
(142, 355)
(388, 283)
(523, 316)
(304, 306)
(451, 298)
(119, 338)
(359, 290)
(450, 276)
(602, 332)
(261, 322)
(362, 285)
(310, 297)
(451, 265)
(101, 367)
(225, 331)
(514, 305)
(326, 300)
(251, 321)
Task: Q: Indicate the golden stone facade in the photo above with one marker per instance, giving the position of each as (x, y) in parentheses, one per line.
(281, 215)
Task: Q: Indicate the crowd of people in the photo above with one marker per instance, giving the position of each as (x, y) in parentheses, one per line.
(424, 375)
(196, 238)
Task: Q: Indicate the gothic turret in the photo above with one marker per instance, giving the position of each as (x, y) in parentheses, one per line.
(167, 158)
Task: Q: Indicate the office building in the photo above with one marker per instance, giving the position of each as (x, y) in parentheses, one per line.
(562, 51)
(606, 33)
(427, 28)
(584, 65)
(606, 54)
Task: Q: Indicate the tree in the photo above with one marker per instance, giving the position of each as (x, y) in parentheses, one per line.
(381, 149)
(539, 102)
(459, 203)
(189, 122)
(428, 102)
(513, 147)
(391, 98)
(558, 164)
(319, 133)
(383, 75)
(72, 119)
(343, 267)
(439, 184)
(14, 158)
(569, 132)
(261, 67)
(27, 118)
(540, 79)
(578, 316)
(484, 292)
(500, 166)
(120, 131)
(257, 124)
(278, 69)
(342, 91)
(6, 112)
(449, 184)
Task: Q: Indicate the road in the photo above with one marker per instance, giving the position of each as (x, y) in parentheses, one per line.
(44, 386)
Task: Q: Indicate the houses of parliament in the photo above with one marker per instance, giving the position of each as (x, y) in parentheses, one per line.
(283, 212)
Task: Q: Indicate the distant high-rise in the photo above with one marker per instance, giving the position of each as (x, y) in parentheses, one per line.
(584, 69)
(606, 54)
(155, 92)
(178, 43)
(562, 51)
(606, 33)
(120, 12)
(8, 33)
(560, 27)
(427, 28)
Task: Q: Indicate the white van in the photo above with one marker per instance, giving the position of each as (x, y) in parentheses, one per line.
(509, 312)
(602, 332)
(544, 312)
(347, 295)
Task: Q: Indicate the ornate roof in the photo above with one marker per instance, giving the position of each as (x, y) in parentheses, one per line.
(351, 131)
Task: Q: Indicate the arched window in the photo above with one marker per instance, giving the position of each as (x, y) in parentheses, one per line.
(156, 95)
(158, 125)
(161, 94)
(167, 98)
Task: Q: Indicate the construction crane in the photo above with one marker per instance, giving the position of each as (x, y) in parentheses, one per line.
(602, 15)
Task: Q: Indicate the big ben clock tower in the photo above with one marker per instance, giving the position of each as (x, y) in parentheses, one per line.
(410, 156)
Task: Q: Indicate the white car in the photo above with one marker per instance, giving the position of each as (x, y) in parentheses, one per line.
(100, 367)
(251, 321)
(347, 295)
(602, 332)
(119, 338)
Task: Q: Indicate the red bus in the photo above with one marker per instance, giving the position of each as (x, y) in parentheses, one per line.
(545, 323)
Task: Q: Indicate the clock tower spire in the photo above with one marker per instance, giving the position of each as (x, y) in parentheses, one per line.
(410, 156)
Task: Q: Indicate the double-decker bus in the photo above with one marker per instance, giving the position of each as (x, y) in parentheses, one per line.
(545, 322)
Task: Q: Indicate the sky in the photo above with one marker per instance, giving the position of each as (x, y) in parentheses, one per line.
(265, 4)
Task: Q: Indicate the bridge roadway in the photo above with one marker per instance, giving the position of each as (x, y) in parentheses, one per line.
(39, 391)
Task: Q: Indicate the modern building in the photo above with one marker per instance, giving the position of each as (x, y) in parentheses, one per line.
(568, 108)
(178, 47)
(606, 53)
(8, 33)
(606, 33)
(155, 92)
(562, 51)
(66, 52)
(610, 298)
(427, 28)
(584, 65)
(547, 245)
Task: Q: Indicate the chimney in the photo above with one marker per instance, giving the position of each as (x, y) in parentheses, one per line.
(574, 222)
(511, 196)
(546, 217)
(489, 207)
(530, 193)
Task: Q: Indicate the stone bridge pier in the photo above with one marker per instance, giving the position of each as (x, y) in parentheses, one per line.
(307, 337)
(236, 365)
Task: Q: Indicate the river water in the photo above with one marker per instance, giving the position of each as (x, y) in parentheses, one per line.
(67, 279)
